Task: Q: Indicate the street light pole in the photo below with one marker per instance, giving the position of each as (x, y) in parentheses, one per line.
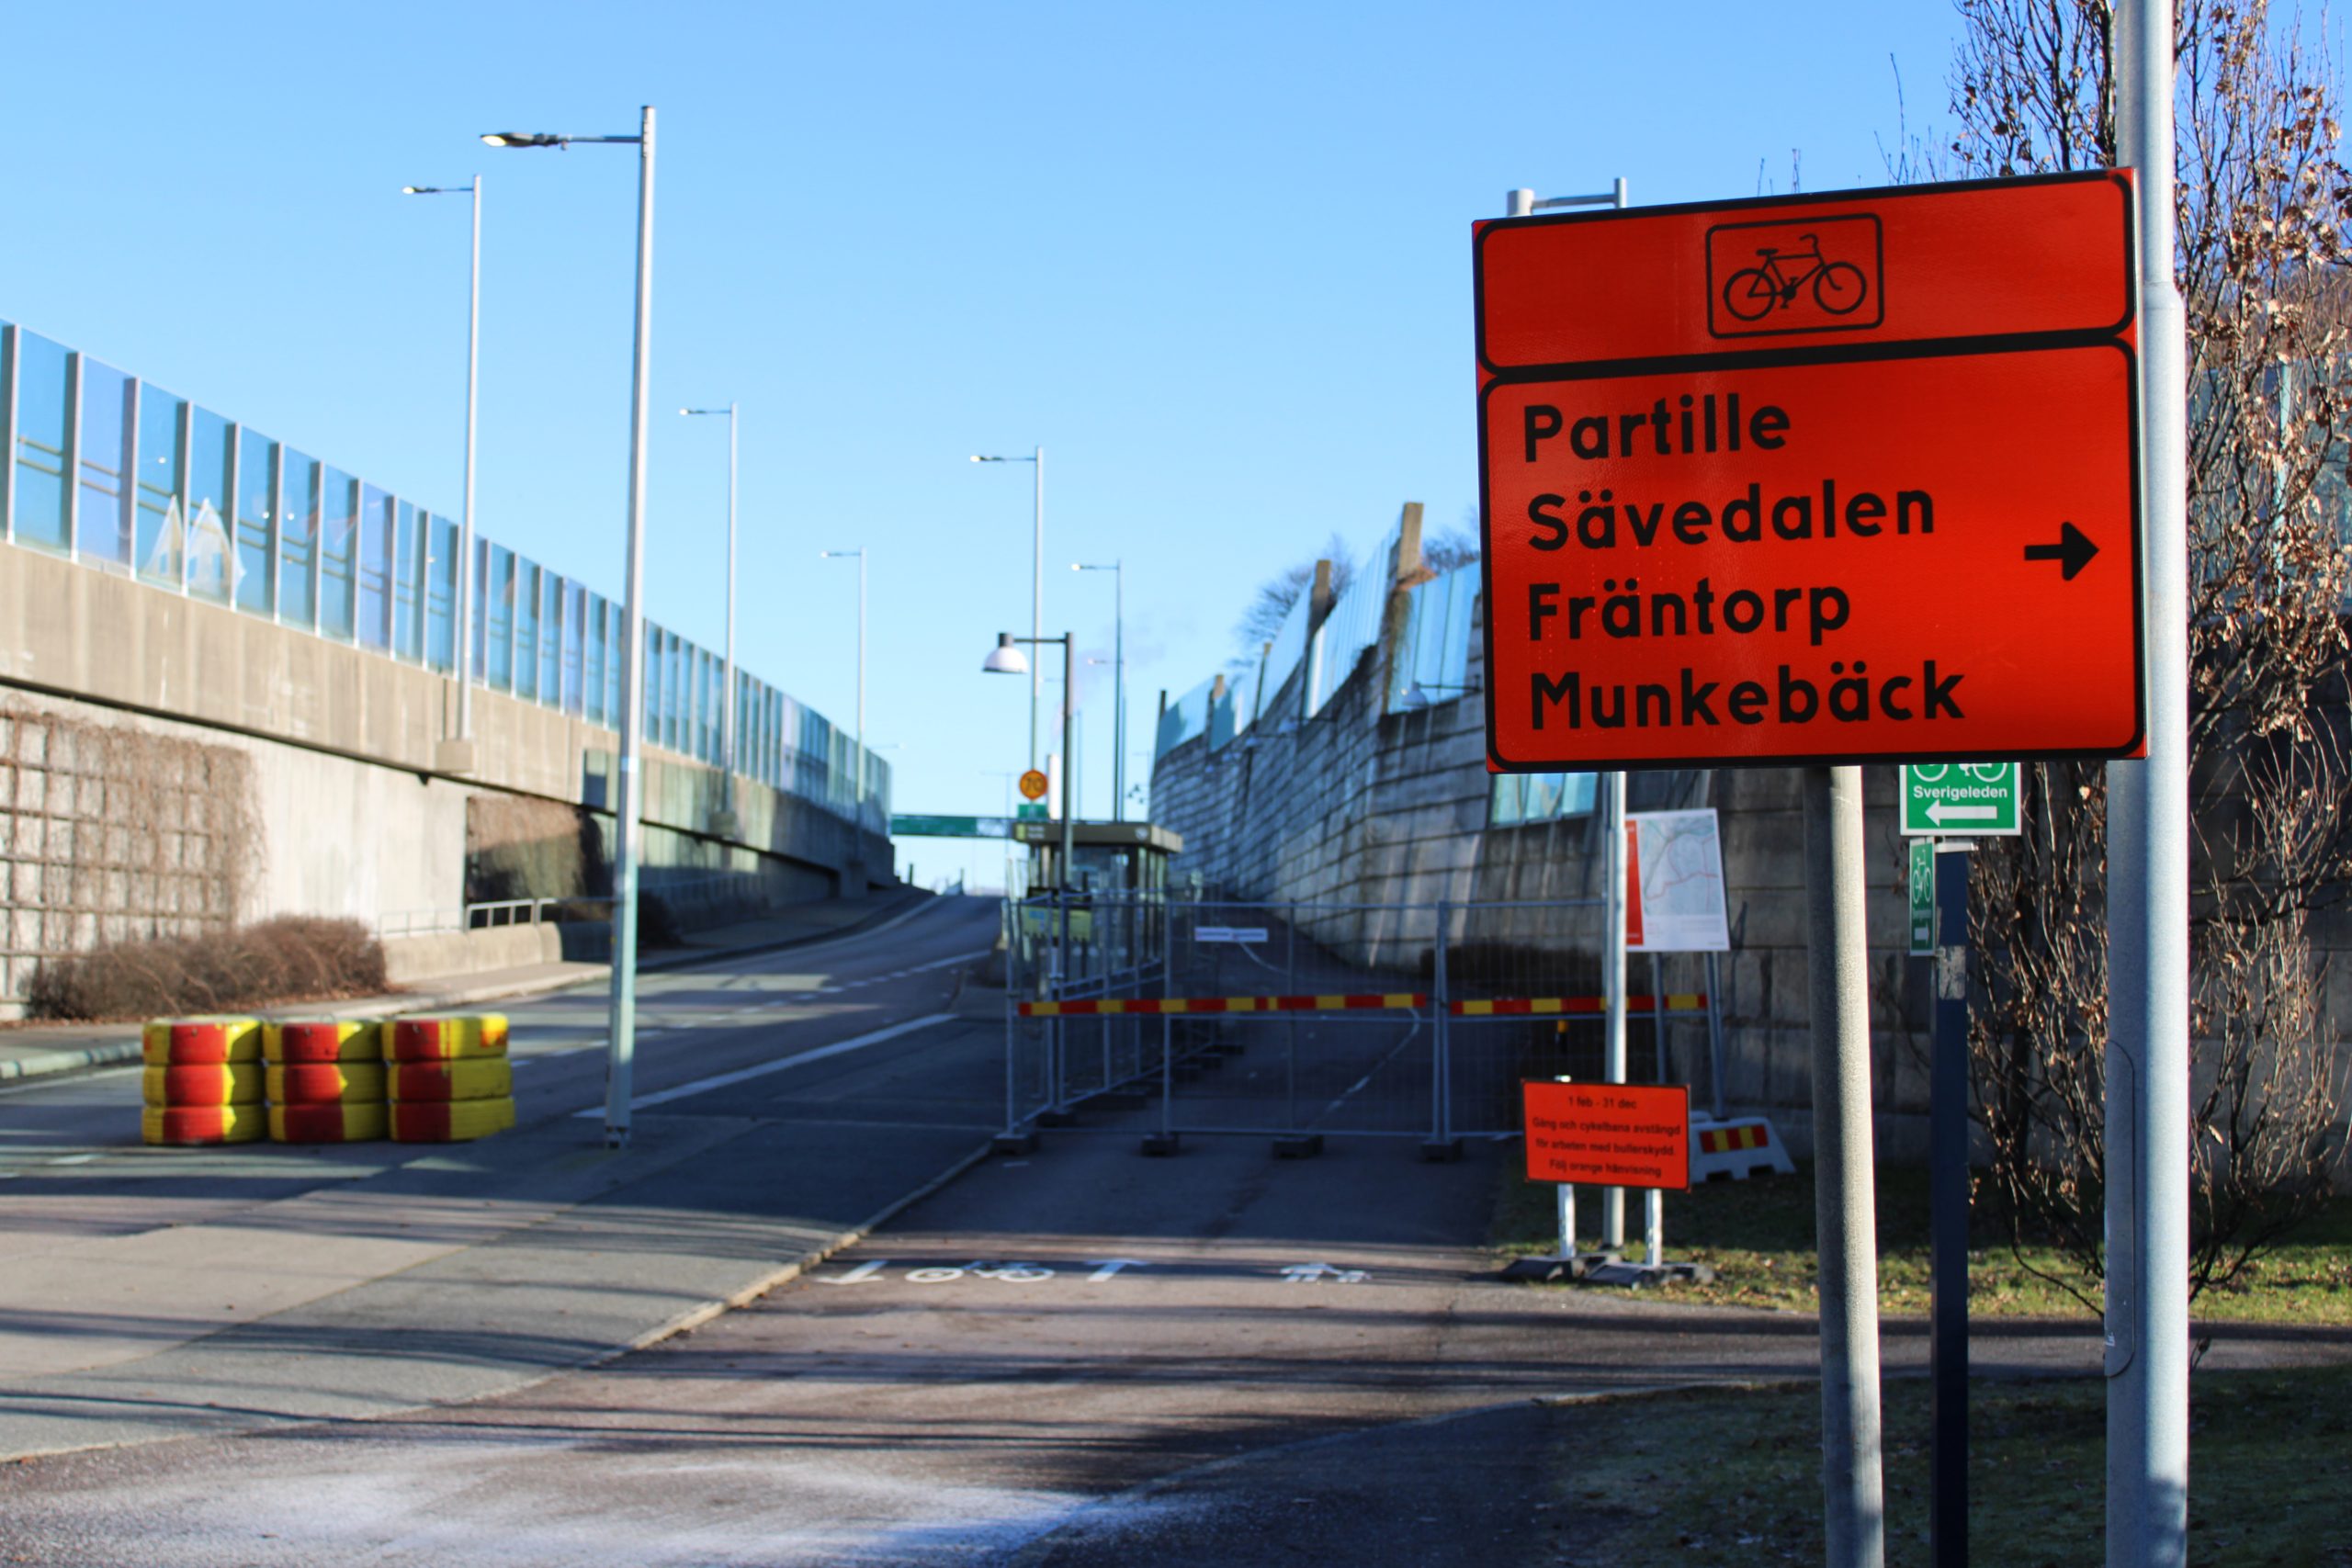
(620, 1051)
(727, 702)
(1008, 659)
(461, 609)
(1118, 570)
(1036, 595)
(860, 553)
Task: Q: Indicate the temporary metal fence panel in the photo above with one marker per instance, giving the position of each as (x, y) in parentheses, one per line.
(1290, 1019)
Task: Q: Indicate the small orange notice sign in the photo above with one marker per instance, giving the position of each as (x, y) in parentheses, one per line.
(1608, 1134)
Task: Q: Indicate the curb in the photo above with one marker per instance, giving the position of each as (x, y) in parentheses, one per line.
(49, 1064)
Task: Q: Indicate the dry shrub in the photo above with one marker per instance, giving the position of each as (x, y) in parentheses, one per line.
(291, 958)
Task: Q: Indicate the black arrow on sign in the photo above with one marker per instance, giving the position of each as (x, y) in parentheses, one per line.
(2073, 551)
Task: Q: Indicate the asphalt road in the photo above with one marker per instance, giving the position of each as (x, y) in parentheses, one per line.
(782, 1100)
(1083, 1357)
(1076, 1358)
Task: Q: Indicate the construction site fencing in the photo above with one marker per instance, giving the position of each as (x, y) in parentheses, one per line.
(1295, 1020)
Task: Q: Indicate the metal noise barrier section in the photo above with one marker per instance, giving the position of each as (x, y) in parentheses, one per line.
(1294, 1019)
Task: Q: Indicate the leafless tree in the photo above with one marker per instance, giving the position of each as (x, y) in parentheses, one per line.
(1261, 622)
(2263, 200)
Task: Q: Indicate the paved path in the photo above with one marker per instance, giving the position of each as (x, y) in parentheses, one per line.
(781, 1102)
(1215, 1358)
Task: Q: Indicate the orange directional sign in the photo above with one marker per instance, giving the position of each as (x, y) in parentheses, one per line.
(1812, 480)
(1034, 785)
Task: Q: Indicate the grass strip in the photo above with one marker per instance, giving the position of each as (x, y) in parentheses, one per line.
(1757, 1235)
(1734, 1476)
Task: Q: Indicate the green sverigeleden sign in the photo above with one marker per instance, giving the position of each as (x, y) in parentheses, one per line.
(1964, 798)
(1923, 896)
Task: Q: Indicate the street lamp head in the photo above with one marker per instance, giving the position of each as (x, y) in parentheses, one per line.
(523, 139)
(1006, 659)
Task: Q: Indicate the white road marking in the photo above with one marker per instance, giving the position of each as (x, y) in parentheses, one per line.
(1105, 1268)
(862, 1273)
(744, 1075)
(1307, 1273)
(74, 1159)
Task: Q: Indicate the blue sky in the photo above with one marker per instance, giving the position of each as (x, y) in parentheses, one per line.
(1214, 257)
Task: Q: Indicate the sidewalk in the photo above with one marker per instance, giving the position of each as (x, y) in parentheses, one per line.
(38, 1050)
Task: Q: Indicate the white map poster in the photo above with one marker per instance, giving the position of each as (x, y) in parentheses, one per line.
(1675, 872)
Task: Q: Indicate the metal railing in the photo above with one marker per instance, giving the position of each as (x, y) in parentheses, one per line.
(489, 915)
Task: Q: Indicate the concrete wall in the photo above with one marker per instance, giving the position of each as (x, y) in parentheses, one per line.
(1390, 810)
(357, 817)
(1361, 805)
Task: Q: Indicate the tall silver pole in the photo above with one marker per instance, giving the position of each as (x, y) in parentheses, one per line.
(461, 611)
(1119, 697)
(1522, 203)
(1070, 815)
(861, 688)
(1613, 872)
(2147, 805)
(727, 702)
(1844, 1206)
(621, 1051)
(1038, 617)
(1612, 1210)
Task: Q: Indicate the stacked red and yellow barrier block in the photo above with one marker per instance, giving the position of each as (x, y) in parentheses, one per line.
(417, 1080)
(203, 1082)
(325, 1081)
(450, 1080)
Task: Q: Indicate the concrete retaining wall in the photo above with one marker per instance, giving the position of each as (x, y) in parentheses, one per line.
(356, 819)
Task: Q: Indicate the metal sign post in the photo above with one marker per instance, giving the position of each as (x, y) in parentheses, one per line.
(2147, 816)
(1947, 1207)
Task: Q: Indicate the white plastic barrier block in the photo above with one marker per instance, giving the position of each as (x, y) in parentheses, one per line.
(1736, 1150)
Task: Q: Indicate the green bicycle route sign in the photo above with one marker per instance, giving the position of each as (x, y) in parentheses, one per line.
(1978, 798)
(1922, 890)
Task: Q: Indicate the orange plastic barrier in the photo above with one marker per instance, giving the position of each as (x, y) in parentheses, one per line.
(227, 1083)
(447, 1038)
(450, 1121)
(478, 1077)
(324, 1083)
(199, 1041)
(323, 1040)
(202, 1123)
(327, 1122)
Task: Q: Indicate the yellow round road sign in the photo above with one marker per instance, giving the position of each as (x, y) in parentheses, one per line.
(1034, 785)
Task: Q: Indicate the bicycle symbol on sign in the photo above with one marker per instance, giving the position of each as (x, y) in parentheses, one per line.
(1015, 1273)
(1979, 773)
(1753, 292)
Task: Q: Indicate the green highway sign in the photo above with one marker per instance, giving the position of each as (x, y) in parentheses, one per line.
(1031, 810)
(1976, 800)
(1923, 896)
(911, 827)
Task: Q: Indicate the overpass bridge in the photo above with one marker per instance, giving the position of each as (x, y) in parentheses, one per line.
(228, 691)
